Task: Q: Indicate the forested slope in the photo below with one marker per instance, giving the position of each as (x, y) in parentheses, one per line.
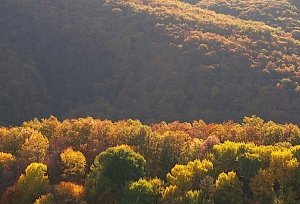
(279, 13)
(152, 60)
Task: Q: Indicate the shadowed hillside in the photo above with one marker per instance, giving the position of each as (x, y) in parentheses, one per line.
(152, 60)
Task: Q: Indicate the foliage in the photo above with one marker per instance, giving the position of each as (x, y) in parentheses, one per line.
(279, 13)
(111, 170)
(174, 147)
(32, 184)
(74, 163)
(189, 176)
(35, 147)
(143, 191)
(229, 189)
(45, 199)
(68, 192)
(262, 186)
(256, 161)
(6, 159)
(154, 60)
(12, 139)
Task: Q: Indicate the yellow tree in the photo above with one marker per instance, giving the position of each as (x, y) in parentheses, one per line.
(282, 164)
(6, 159)
(7, 163)
(11, 140)
(74, 164)
(229, 189)
(32, 184)
(188, 176)
(189, 182)
(225, 155)
(35, 147)
(143, 191)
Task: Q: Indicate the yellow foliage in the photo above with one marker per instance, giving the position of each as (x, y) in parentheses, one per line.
(74, 162)
(32, 184)
(6, 159)
(226, 179)
(45, 199)
(282, 163)
(35, 147)
(185, 176)
(171, 194)
(229, 189)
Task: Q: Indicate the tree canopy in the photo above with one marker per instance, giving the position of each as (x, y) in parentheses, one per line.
(101, 161)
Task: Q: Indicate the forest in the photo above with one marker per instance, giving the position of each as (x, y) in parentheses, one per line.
(149, 101)
(151, 60)
(88, 160)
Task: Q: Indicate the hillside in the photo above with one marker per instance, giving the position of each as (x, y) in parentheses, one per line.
(151, 60)
(279, 13)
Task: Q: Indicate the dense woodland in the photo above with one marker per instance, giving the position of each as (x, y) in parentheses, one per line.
(89, 160)
(159, 60)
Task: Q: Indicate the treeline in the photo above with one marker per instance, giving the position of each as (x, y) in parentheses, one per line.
(89, 160)
(147, 60)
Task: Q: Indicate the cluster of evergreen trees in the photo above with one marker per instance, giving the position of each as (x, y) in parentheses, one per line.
(99, 161)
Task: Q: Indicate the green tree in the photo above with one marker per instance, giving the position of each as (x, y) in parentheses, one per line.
(262, 187)
(248, 166)
(111, 170)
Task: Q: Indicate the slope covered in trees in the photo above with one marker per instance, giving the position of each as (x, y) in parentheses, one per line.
(279, 13)
(151, 60)
(89, 160)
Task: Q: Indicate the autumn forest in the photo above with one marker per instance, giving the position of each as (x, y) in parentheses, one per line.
(149, 101)
(89, 160)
